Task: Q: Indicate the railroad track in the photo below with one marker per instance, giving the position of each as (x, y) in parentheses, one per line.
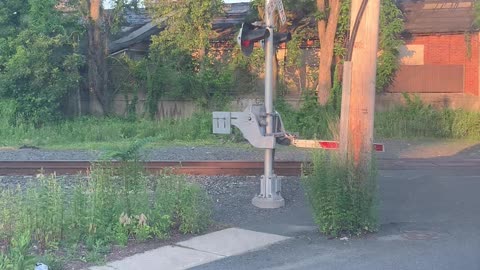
(234, 168)
(218, 167)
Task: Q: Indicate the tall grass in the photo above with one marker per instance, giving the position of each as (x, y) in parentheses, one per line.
(417, 119)
(310, 120)
(86, 217)
(343, 198)
(86, 131)
(413, 120)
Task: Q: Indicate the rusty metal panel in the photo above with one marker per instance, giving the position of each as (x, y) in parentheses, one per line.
(429, 79)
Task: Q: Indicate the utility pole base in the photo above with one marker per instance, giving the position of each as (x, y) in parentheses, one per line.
(268, 203)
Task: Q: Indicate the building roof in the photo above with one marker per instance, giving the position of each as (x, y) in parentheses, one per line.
(139, 26)
(438, 16)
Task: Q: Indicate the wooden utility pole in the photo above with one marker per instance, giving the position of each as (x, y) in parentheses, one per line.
(358, 98)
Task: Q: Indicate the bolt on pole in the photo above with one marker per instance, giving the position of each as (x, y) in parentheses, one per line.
(270, 185)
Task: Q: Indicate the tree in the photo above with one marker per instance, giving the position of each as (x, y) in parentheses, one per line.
(99, 26)
(39, 60)
(96, 55)
(188, 24)
(326, 16)
(327, 20)
(333, 25)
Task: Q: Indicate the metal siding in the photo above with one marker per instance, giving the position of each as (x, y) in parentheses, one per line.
(429, 79)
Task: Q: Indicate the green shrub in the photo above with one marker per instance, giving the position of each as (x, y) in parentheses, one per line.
(311, 120)
(114, 206)
(343, 199)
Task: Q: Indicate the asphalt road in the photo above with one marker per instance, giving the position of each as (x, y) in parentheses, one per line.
(430, 219)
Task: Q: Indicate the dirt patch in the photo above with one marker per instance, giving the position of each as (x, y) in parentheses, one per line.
(438, 149)
(430, 148)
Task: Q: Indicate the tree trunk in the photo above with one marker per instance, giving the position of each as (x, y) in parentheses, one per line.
(327, 28)
(97, 69)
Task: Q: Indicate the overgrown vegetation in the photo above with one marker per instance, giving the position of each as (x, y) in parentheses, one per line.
(343, 198)
(417, 119)
(174, 77)
(39, 58)
(412, 120)
(92, 132)
(81, 219)
(311, 120)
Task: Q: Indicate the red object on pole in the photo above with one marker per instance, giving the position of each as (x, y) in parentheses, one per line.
(245, 43)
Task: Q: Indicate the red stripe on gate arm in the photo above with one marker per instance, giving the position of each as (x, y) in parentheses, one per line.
(329, 144)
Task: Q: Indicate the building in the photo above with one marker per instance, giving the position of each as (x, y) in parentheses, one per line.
(440, 58)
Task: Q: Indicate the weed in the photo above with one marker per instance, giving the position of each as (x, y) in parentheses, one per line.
(113, 207)
(90, 132)
(19, 255)
(414, 120)
(311, 120)
(343, 198)
(417, 119)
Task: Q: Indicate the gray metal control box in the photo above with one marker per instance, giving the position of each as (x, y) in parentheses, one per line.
(221, 123)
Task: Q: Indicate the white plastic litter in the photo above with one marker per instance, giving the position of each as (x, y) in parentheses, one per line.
(41, 266)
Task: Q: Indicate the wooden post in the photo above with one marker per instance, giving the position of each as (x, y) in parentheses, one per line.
(360, 106)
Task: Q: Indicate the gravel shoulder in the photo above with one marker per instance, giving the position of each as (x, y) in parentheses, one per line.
(394, 149)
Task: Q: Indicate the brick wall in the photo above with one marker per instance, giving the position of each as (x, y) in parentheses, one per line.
(453, 50)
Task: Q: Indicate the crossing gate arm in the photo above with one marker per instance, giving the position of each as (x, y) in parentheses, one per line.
(328, 145)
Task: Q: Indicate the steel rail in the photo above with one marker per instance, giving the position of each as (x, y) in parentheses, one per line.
(217, 167)
(214, 167)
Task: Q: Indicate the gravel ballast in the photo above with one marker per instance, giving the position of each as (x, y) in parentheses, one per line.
(170, 153)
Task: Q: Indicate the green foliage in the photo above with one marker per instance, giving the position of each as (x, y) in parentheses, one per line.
(343, 29)
(93, 132)
(311, 120)
(211, 86)
(173, 76)
(343, 198)
(295, 53)
(188, 24)
(39, 64)
(414, 120)
(18, 256)
(391, 26)
(417, 119)
(113, 206)
(477, 13)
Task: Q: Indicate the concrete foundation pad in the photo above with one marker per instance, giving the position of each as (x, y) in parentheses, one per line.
(268, 203)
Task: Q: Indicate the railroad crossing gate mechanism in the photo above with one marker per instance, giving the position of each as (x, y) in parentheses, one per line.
(260, 124)
(252, 123)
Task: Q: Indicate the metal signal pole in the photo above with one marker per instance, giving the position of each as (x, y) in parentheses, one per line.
(270, 185)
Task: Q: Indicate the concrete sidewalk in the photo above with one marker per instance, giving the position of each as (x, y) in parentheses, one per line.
(197, 251)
